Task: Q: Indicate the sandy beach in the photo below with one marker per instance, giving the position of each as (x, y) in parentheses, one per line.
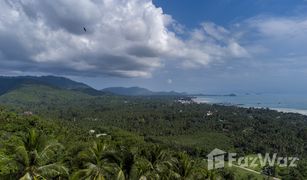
(288, 110)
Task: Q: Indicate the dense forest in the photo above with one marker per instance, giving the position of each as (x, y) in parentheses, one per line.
(33, 148)
(54, 133)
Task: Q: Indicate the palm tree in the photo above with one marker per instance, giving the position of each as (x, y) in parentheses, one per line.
(152, 163)
(38, 158)
(143, 169)
(125, 160)
(186, 168)
(99, 164)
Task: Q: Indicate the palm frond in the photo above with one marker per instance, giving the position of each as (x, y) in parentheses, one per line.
(49, 150)
(22, 155)
(53, 170)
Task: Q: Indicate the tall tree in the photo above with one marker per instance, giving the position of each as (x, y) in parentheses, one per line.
(98, 164)
(38, 158)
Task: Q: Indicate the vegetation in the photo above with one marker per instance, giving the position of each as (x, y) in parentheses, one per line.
(38, 149)
(76, 135)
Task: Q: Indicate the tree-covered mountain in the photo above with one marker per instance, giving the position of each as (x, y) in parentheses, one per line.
(8, 84)
(40, 95)
(138, 91)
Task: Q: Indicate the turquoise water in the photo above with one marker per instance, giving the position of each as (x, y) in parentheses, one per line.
(282, 102)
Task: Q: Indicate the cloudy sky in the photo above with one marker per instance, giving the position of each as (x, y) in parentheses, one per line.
(188, 45)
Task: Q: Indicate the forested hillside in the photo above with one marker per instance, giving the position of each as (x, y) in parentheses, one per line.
(8, 84)
(152, 122)
(33, 148)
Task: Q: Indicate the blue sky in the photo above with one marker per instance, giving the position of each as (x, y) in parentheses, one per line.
(225, 12)
(204, 46)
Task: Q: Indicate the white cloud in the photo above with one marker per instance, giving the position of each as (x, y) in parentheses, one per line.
(276, 37)
(129, 38)
(209, 44)
(280, 27)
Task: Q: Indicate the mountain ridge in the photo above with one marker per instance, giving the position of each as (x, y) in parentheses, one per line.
(8, 84)
(139, 91)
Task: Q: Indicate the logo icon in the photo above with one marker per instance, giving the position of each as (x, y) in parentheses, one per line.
(216, 159)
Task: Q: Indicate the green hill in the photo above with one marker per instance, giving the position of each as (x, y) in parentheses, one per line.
(8, 84)
(40, 95)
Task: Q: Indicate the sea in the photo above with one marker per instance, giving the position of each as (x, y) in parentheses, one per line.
(294, 103)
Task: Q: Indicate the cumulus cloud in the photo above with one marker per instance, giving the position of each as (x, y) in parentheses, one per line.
(129, 38)
(209, 44)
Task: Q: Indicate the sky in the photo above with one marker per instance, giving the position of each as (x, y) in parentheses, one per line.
(211, 46)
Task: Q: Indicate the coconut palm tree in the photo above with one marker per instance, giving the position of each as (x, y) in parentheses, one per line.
(152, 163)
(38, 158)
(98, 163)
(125, 160)
(143, 169)
(186, 168)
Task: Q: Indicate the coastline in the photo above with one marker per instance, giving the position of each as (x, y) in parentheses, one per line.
(283, 110)
(289, 110)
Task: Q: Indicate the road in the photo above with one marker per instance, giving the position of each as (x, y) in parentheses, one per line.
(253, 171)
